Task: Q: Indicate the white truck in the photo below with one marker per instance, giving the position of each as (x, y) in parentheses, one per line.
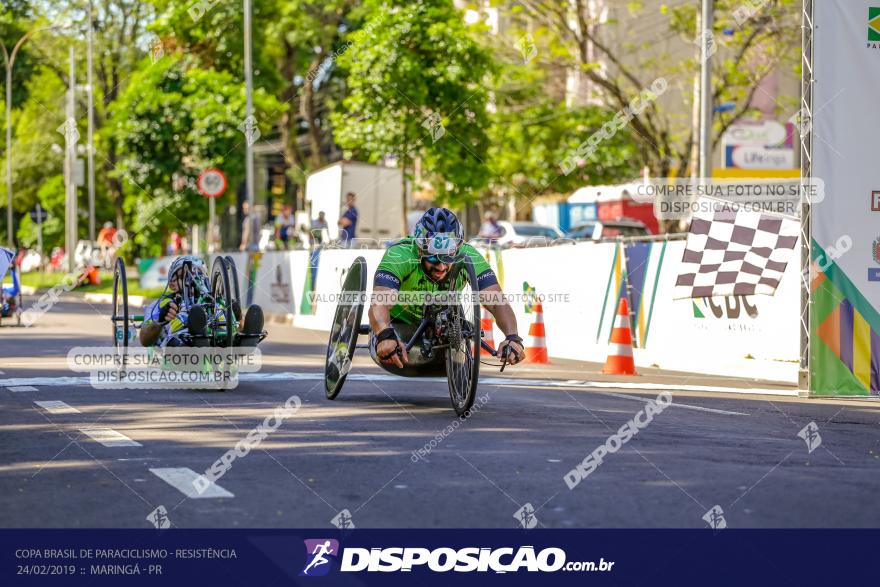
(379, 198)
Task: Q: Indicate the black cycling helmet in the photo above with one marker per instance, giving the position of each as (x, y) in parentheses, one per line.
(438, 234)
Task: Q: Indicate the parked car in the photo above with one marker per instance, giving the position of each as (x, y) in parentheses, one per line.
(522, 234)
(603, 229)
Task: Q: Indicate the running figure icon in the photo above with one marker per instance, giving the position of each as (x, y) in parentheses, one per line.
(318, 551)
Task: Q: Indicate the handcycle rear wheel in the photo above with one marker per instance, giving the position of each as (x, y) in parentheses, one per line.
(221, 291)
(344, 331)
(463, 333)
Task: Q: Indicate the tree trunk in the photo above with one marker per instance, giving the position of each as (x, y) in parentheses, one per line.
(310, 115)
(292, 153)
(405, 224)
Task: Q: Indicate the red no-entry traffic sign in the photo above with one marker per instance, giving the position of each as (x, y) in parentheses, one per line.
(211, 183)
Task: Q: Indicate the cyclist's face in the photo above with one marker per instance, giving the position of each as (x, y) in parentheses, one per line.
(436, 271)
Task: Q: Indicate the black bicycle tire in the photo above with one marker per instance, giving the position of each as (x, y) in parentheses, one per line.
(119, 277)
(220, 271)
(463, 408)
(234, 271)
(361, 264)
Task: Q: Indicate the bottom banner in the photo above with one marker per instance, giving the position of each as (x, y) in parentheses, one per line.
(435, 557)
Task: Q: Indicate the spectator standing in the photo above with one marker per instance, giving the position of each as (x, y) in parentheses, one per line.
(106, 243)
(175, 243)
(348, 221)
(319, 225)
(246, 226)
(490, 229)
(285, 226)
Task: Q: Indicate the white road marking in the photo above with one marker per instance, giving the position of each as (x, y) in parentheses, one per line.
(47, 381)
(109, 437)
(18, 388)
(181, 478)
(57, 407)
(674, 403)
(500, 381)
(643, 386)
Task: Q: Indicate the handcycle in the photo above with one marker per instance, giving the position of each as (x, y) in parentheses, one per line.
(451, 328)
(219, 298)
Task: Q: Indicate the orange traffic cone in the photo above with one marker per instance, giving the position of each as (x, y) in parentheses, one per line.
(486, 327)
(536, 345)
(620, 352)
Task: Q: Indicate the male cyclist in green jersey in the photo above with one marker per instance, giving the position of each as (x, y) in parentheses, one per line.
(422, 263)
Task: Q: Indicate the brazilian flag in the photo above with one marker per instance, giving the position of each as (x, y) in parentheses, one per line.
(874, 23)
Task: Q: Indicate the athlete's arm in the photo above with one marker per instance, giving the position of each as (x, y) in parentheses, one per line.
(492, 298)
(150, 333)
(380, 319)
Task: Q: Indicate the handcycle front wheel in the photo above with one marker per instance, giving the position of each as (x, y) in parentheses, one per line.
(233, 276)
(120, 307)
(344, 331)
(463, 333)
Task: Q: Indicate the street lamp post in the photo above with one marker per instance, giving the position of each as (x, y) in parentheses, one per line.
(91, 133)
(9, 61)
(250, 125)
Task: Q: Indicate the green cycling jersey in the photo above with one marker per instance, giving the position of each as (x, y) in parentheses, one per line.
(401, 270)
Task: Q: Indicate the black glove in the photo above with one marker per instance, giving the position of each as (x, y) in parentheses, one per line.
(388, 334)
(513, 338)
(163, 311)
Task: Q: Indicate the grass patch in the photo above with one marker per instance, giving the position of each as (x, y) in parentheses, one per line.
(43, 281)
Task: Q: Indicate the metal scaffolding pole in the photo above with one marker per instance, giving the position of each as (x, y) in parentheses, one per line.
(805, 125)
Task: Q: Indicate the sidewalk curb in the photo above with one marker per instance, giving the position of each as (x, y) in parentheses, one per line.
(105, 298)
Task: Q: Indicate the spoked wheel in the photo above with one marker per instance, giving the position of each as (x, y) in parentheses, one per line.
(120, 309)
(221, 319)
(463, 333)
(344, 332)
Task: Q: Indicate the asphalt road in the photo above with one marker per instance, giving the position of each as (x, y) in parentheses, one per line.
(740, 452)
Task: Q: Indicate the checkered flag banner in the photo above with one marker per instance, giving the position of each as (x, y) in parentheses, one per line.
(734, 251)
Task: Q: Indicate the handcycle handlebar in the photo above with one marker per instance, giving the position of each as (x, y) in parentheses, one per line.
(504, 354)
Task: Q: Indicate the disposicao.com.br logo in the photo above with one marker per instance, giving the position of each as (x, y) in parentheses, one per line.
(444, 559)
(318, 553)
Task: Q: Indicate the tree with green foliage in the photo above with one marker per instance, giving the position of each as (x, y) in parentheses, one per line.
(415, 81)
(172, 123)
(308, 35)
(533, 131)
(529, 144)
(617, 57)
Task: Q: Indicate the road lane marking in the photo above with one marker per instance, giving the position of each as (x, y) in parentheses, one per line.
(17, 388)
(499, 381)
(109, 437)
(181, 478)
(685, 406)
(57, 407)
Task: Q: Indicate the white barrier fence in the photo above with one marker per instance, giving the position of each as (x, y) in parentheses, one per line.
(580, 285)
